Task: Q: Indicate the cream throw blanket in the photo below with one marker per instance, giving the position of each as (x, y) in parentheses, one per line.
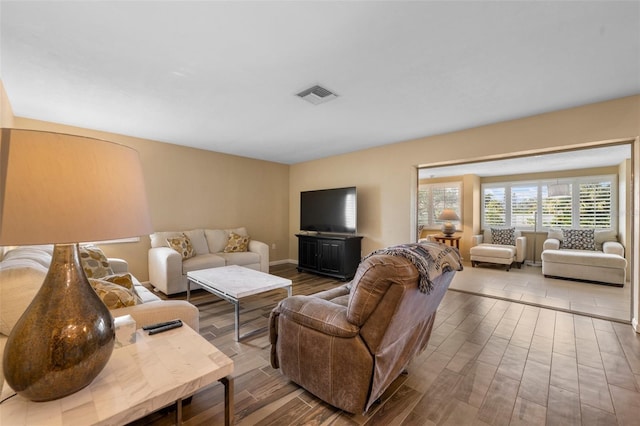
(431, 260)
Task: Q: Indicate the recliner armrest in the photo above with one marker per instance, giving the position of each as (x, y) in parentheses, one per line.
(551, 244)
(318, 314)
(613, 247)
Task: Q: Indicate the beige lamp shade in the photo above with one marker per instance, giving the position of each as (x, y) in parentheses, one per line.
(64, 189)
(448, 215)
(557, 190)
(58, 188)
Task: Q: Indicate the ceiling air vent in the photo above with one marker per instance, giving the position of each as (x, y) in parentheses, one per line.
(317, 95)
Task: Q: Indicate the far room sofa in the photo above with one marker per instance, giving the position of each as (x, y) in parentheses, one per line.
(586, 255)
(210, 248)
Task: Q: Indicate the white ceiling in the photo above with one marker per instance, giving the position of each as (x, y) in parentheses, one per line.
(222, 75)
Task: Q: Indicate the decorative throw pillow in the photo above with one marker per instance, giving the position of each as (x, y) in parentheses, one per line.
(124, 280)
(182, 245)
(114, 296)
(578, 239)
(237, 243)
(94, 262)
(505, 236)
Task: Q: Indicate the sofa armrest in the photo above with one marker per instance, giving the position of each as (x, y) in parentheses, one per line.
(551, 244)
(476, 240)
(119, 266)
(318, 314)
(160, 311)
(521, 249)
(263, 250)
(613, 247)
(165, 268)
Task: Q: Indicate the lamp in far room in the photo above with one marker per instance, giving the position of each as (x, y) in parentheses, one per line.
(65, 189)
(448, 215)
(556, 190)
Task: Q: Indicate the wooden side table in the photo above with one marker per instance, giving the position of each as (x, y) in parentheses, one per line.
(452, 240)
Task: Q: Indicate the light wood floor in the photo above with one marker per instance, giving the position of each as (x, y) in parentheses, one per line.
(528, 285)
(489, 361)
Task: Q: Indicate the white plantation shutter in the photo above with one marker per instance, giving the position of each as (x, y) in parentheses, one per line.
(433, 198)
(557, 212)
(595, 205)
(590, 204)
(494, 206)
(524, 204)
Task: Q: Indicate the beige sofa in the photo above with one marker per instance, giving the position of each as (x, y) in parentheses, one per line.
(168, 271)
(605, 263)
(22, 271)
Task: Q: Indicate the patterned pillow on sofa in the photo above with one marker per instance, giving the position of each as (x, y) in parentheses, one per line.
(578, 239)
(182, 245)
(94, 262)
(504, 236)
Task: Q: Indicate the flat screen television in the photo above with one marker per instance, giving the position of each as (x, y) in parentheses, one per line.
(329, 210)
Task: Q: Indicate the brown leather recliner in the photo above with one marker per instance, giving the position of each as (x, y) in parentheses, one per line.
(348, 344)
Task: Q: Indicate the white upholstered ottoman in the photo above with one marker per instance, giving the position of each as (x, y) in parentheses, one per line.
(493, 253)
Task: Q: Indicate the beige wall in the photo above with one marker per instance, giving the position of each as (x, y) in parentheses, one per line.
(190, 188)
(385, 175)
(6, 114)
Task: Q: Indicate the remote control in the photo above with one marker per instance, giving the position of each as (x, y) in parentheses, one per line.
(165, 328)
(160, 324)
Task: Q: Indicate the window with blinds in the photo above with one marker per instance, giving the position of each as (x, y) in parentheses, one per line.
(589, 203)
(595, 204)
(434, 198)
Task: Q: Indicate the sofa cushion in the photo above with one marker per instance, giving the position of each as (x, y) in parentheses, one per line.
(94, 262)
(237, 243)
(584, 258)
(39, 254)
(241, 258)
(503, 236)
(216, 239)
(602, 236)
(182, 244)
(202, 262)
(198, 241)
(578, 239)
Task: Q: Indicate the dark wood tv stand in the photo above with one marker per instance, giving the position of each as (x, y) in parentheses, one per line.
(332, 255)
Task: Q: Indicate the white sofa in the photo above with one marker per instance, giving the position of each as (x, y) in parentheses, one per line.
(168, 271)
(604, 264)
(22, 271)
(485, 250)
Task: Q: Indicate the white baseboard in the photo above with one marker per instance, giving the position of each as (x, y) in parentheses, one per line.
(634, 324)
(282, 262)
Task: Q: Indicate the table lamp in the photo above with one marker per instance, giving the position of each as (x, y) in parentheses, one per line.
(448, 215)
(65, 189)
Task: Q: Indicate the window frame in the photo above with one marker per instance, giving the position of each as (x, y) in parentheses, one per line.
(540, 223)
(432, 222)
